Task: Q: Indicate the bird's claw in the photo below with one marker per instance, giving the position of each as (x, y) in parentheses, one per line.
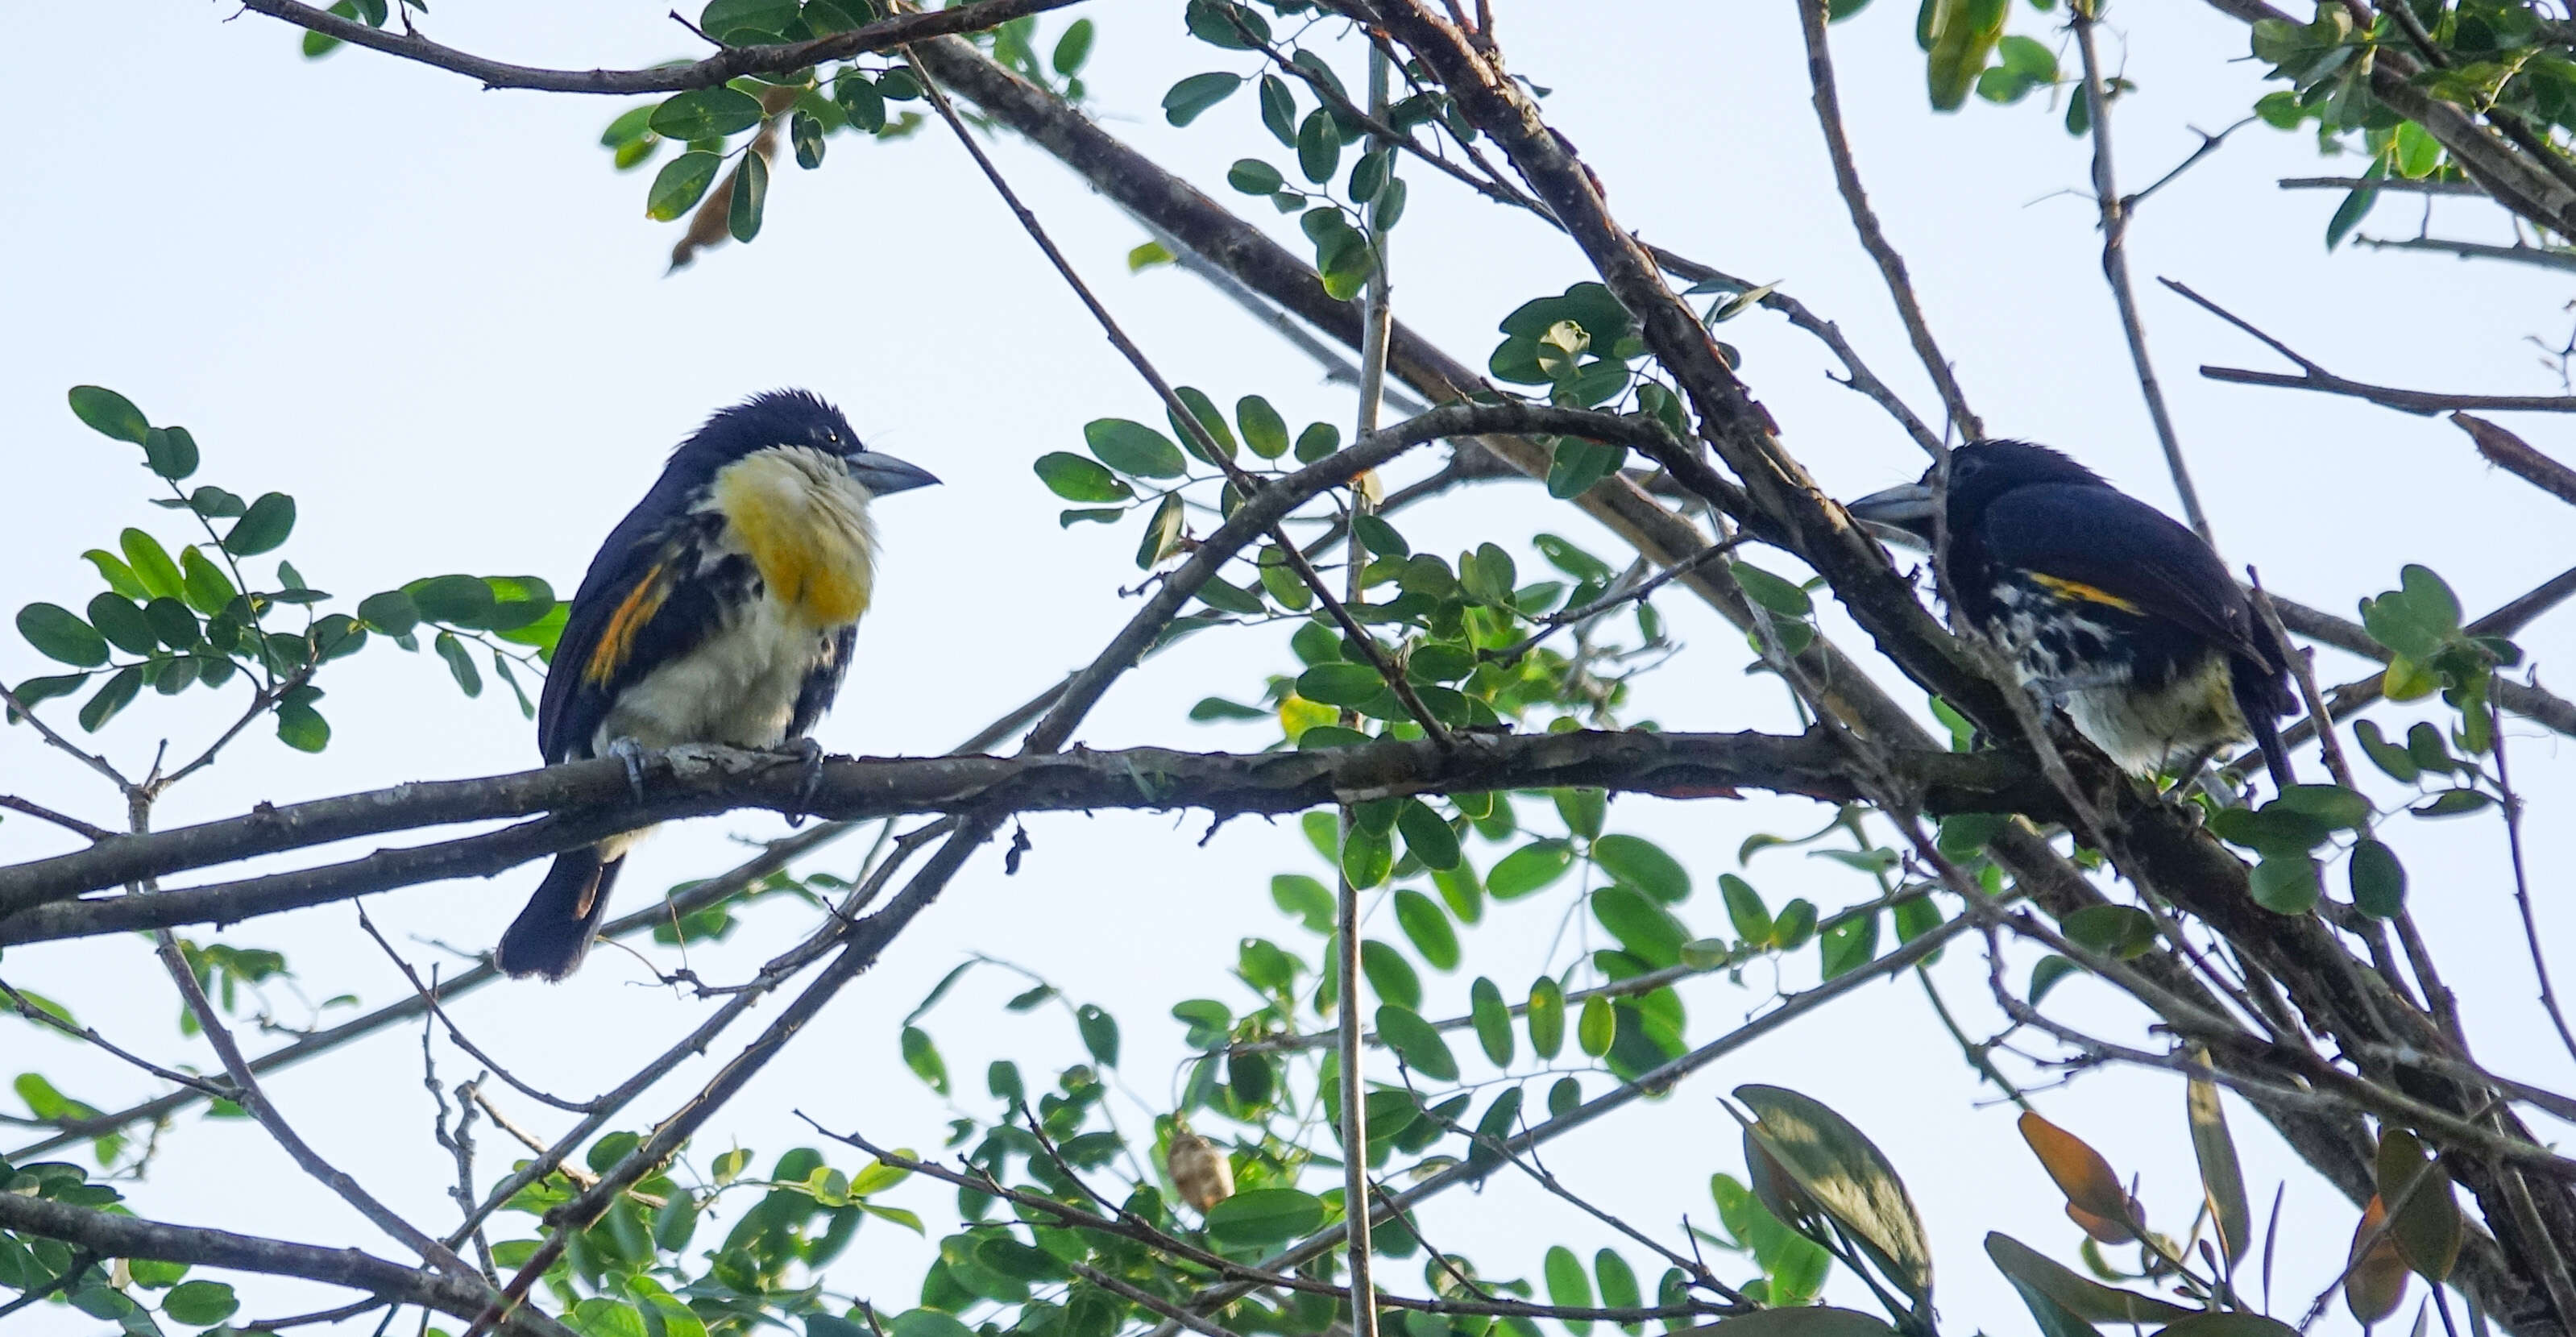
(810, 761)
(631, 752)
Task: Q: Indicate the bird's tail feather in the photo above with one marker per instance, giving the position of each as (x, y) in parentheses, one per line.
(2264, 697)
(551, 935)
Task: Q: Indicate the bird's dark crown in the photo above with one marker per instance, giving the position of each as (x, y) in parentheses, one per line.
(771, 418)
(1981, 471)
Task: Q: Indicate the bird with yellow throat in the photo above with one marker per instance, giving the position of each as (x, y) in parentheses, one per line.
(722, 609)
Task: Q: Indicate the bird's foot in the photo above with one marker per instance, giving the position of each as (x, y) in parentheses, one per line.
(809, 755)
(632, 753)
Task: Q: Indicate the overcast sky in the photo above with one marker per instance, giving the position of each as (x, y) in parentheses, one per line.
(439, 319)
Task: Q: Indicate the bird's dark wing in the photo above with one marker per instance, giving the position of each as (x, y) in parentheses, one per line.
(641, 605)
(2104, 542)
(823, 683)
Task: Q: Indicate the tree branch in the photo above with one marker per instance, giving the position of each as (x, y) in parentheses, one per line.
(592, 798)
(727, 64)
(134, 1237)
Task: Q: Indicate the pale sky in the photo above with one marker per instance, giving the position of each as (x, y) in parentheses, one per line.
(439, 319)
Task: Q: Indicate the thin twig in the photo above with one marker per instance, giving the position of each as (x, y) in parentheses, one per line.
(2511, 803)
(1183, 417)
(2516, 456)
(2115, 266)
(2319, 379)
(1891, 265)
(429, 999)
(18, 709)
(72, 824)
(726, 65)
(2302, 667)
(2545, 257)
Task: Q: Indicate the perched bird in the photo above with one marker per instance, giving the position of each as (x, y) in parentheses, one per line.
(721, 610)
(2114, 612)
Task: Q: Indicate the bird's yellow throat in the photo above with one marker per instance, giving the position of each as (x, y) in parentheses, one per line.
(805, 525)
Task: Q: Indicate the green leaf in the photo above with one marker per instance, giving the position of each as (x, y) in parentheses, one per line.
(109, 413)
(1427, 837)
(204, 584)
(922, 1056)
(1099, 1033)
(1416, 1042)
(2222, 1178)
(464, 601)
(2336, 807)
(1795, 923)
(1195, 94)
(680, 184)
(705, 113)
(2083, 1297)
(1583, 809)
(2120, 932)
(1319, 440)
(1647, 930)
(151, 564)
(1390, 975)
(1073, 48)
(1577, 464)
(1779, 595)
(115, 696)
(1265, 433)
(1547, 1017)
(2045, 975)
(805, 133)
(2285, 883)
(1493, 1021)
(263, 527)
(1426, 926)
(1075, 478)
(2030, 59)
(2378, 880)
(1644, 865)
(1618, 1281)
(860, 101)
(391, 612)
(1252, 176)
(1964, 33)
(750, 193)
(1744, 909)
(1596, 1027)
(1340, 684)
(200, 1303)
(1568, 1286)
(172, 453)
(1319, 147)
(460, 663)
(926, 1323)
(2387, 756)
(1305, 898)
(119, 576)
(59, 634)
(1845, 1174)
(2357, 204)
(301, 727)
(1134, 448)
(1265, 1216)
(1530, 868)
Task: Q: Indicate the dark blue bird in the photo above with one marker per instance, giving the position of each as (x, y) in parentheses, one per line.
(2111, 609)
(722, 609)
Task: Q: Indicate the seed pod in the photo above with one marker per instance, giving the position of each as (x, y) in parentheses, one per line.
(1199, 1170)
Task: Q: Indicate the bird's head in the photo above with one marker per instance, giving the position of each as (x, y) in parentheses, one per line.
(1980, 471)
(795, 419)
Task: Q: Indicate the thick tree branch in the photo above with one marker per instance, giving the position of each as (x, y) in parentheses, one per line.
(134, 1237)
(591, 797)
(727, 64)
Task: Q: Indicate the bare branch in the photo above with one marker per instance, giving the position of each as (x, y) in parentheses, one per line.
(1873, 238)
(2515, 456)
(2546, 257)
(728, 64)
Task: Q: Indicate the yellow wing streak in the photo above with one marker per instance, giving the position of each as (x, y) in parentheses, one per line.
(617, 639)
(2081, 592)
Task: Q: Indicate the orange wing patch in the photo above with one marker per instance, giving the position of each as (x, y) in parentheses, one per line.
(2081, 592)
(617, 639)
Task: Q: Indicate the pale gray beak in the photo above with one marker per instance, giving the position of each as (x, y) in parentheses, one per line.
(1907, 510)
(884, 474)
